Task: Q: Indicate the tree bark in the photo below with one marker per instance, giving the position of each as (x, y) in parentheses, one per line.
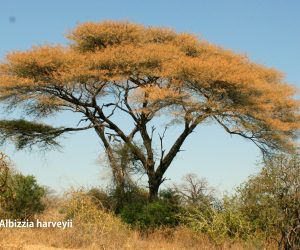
(154, 184)
(117, 171)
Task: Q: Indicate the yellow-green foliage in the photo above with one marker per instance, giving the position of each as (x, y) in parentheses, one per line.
(92, 225)
(226, 224)
(271, 200)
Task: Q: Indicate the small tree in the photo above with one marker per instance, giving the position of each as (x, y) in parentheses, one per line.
(271, 200)
(144, 73)
(4, 173)
(20, 196)
(195, 191)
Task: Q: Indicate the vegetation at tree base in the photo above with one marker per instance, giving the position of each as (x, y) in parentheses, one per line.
(263, 213)
(145, 73)
(82, 209)
(20, 196)
(264, 209)
(150, 215)
(227, 223)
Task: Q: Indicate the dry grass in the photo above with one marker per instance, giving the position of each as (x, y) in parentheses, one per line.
(48, 239)
(95, 229)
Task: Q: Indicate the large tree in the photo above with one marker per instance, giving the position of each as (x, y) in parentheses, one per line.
(147, 73)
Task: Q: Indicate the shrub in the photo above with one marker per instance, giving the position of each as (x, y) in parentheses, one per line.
(219, 225)
(152, 215)
(271, 200)
(92, 225)
(109, 199)
(22, 198)
(101, 199)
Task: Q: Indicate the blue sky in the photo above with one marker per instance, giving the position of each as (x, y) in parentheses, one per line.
(267, 31)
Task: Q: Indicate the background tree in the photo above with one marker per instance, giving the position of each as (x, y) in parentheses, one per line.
(4, 174)
(24, 198)
(271, 200)
(144, 73)
(195, 191)
(20, 196)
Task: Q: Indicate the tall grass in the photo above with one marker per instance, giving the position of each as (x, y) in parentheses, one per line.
(94, 228)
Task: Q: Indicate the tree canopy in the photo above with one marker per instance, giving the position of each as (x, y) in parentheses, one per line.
(110, 68)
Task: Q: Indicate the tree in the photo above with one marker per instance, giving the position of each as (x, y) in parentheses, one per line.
(195, 191)
(271, 200)
(20, 196)
(24, 198)
(144, 73)
(4, 173)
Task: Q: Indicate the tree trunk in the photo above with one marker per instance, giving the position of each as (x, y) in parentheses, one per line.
(154, 184)
(119, 180)
(116, 167)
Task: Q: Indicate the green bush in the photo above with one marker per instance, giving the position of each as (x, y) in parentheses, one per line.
(151, 215)
(22, 198)
(109, 199)
(228, 223)
(271, 200)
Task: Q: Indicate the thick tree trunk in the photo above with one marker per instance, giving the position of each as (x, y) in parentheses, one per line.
(153, 193)
(154, 184)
